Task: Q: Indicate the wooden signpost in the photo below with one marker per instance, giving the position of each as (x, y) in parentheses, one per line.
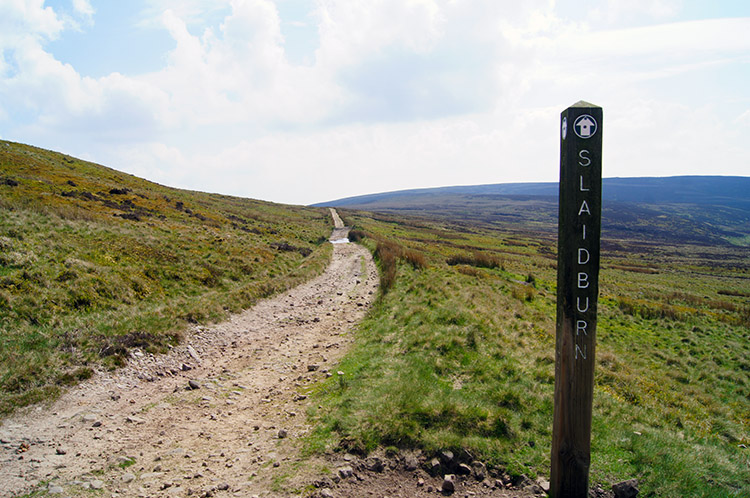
(577, 293)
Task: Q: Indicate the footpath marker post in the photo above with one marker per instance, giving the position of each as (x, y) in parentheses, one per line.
(579, 230)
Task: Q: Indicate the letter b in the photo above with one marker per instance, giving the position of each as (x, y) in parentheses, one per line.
(583, 280)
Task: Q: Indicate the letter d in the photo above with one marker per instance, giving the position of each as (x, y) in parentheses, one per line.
(583, 256)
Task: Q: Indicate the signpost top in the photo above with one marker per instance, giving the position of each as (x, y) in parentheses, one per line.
(583, 103)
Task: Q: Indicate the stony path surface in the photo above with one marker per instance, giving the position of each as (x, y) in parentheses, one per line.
(219, 415)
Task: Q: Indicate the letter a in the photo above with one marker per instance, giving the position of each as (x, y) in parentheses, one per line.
(584, 208)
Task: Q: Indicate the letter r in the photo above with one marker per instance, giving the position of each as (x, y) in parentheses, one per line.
(581, 327)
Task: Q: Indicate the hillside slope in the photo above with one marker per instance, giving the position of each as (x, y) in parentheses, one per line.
(96, 262)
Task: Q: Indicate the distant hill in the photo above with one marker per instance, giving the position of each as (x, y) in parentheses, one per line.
(702, 209)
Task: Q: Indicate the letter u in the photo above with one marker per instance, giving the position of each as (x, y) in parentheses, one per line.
(578, 304)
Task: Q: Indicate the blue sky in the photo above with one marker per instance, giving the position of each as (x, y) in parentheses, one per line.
(300, 101)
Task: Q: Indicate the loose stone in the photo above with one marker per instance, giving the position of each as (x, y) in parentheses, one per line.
(479, 469)
(345, 472)
(626, 489)
(411, 463)
(449, 483)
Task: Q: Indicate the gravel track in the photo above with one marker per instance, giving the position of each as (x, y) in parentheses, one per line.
(144, 431)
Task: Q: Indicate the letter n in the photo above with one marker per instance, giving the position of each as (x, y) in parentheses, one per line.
(582, 351)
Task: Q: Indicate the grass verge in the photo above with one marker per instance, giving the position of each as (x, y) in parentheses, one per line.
(461, 356)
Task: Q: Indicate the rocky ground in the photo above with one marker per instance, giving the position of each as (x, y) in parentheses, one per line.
(223, 414)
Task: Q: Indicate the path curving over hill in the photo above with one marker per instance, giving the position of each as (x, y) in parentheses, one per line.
(221, 413)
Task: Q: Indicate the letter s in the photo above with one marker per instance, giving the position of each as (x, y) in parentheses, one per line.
(585, 160)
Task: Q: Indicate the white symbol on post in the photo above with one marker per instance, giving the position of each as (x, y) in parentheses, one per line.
(564, 128)
(584, 126)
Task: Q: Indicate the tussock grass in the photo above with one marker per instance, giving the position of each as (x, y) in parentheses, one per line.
(95, 263)
(387, 254)
(478, 259)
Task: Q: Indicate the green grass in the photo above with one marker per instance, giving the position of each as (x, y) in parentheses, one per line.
(126, 462)
(95, 263)
(459, 354)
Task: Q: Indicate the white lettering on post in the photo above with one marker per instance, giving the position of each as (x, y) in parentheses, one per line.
(584, 208)
(583, 280)
(578, 305)
(582, 189)
(583, 256)
(580, 351)
(585, 160)
(581, 327)
(583, 301)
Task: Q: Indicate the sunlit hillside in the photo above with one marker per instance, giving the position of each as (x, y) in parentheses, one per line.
(95, 262)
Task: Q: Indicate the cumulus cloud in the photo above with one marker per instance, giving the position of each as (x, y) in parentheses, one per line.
(396, 94)
(21, 20)
(238, 72)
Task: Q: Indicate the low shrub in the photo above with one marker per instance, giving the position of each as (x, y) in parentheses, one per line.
(477, 259)
(416, 259)
(387, 254)
(357, 235)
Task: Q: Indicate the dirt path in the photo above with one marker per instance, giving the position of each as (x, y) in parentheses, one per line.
(220, 415)
(223, 414)
(340, 232)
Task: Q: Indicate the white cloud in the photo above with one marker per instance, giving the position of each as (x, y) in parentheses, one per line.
(24, 20)
(744, 118)
(399, 94)
(627, 11)
(650, 137)
(200, 13)
(239, 74)
(83, 7)
(355, 29)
